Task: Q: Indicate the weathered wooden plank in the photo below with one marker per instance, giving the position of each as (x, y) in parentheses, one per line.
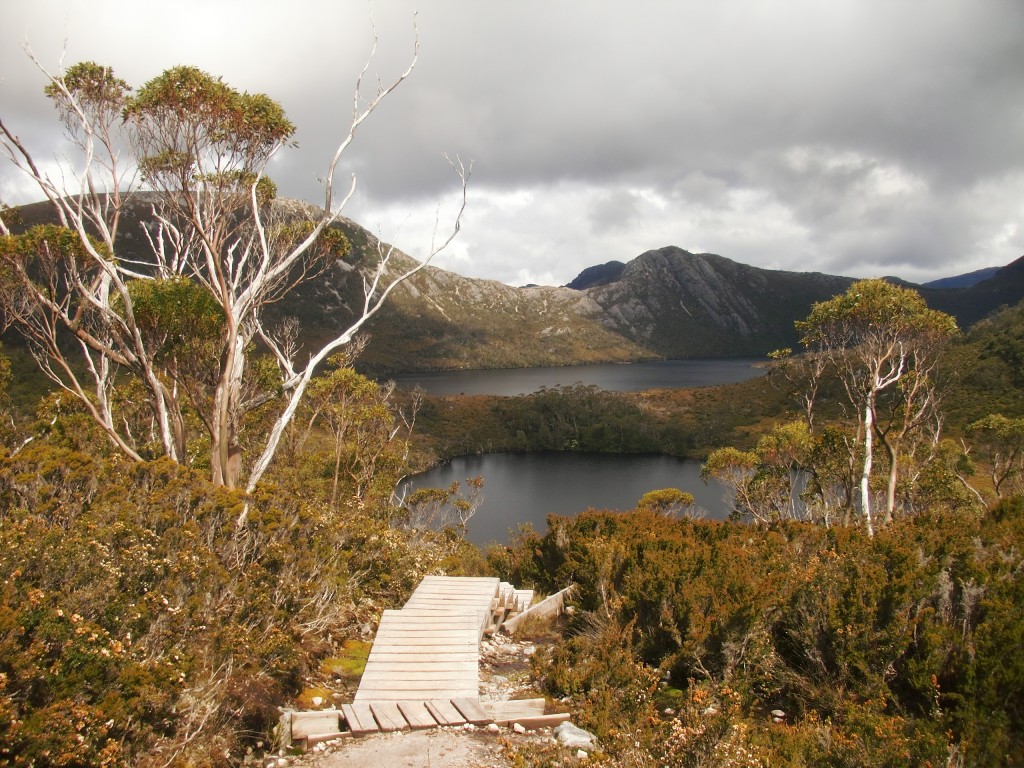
(416, 714)
(471, 710)
(410, 642)
(505, 712)
(319, 721)
(444, 712)
(417, 674)
(417, 689)
(318, 738)
(359, 718)
(541, 721)
(403, 695)
(453, 633)
(388, 716)
(523, 599)
(424, 658)
(546, 608)
(413, 655)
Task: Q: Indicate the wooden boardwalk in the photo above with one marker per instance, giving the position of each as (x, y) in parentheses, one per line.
(423, 669)
(430, 649)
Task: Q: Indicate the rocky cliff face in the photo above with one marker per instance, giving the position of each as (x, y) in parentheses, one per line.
(686, 305)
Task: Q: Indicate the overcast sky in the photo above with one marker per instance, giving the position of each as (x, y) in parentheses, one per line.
(855, 137)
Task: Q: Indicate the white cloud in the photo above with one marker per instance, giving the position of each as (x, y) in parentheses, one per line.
(854, 137)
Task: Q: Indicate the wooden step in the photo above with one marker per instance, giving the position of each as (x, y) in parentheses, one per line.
(417, 715)
(445, 712)
(359, 718)
(388, 716)
(472, 711)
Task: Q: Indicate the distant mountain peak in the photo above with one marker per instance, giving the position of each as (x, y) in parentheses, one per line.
(595, 276)
(963, 281)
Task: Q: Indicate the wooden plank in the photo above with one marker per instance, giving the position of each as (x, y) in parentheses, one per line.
(403, 695)
(444, 712)
(318, 738)
(388, 716)
(455, 660)
(426, 660)
(471, 710)
(400, 684)
(505, 712)
(391, 674)
(457, 634)
(524, 598)
(416, 714)
(319, 721)
(546, 608)
(542, 721)
(359, 718)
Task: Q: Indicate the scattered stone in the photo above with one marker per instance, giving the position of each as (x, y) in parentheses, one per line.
(778, 716)
(493, 727)
(710, 711)
(317, 700)
(582, 754)
(572, 736)
(518, 728)
(669, 711)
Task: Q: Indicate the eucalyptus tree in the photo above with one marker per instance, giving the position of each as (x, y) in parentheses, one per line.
(183, 317)
(1000, 441)
(884, 342)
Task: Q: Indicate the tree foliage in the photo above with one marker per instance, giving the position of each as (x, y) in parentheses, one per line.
(884, 344)
(179, 321)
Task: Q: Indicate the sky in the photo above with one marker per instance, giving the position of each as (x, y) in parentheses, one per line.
(853, 137)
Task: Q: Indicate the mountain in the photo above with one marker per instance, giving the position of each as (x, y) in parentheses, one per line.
(971, 304)
(602, 274)
(665, 303)
(962, 281)
(682, 304)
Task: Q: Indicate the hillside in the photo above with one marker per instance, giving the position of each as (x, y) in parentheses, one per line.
(665, 303)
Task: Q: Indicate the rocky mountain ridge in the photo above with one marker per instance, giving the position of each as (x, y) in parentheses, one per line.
(665, 303)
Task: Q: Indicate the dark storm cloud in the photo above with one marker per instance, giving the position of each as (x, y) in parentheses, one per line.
(861, 137)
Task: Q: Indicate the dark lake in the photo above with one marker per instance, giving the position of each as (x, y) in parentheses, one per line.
(614, 377)
(525, 487)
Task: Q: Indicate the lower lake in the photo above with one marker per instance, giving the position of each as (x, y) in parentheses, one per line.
(526, 487)
(613, 377)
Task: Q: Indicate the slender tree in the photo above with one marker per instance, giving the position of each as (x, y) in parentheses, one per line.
(1001, 442)
(183, 318)
(882, 340)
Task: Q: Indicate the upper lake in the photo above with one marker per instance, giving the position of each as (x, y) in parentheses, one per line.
(613, 377)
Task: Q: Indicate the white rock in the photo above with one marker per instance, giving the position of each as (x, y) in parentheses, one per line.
(573, 736)
(493, 727)
(581, 754)
(317, 700)
(518, 728)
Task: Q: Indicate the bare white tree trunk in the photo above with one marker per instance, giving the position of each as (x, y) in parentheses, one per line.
(865, 478)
